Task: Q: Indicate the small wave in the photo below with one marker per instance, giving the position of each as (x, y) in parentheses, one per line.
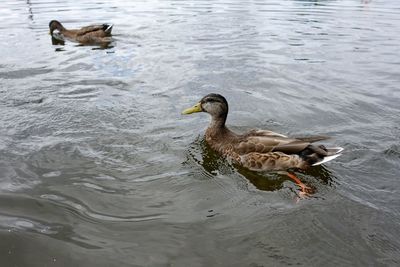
(12, 223)
(97, 216)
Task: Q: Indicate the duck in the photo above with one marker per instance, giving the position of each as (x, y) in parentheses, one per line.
(93, 34)
(259, 150)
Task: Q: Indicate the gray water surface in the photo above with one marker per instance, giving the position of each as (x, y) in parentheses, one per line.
(98, 167)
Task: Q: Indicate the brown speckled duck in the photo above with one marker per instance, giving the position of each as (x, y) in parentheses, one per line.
(94, 34)
(259, 150)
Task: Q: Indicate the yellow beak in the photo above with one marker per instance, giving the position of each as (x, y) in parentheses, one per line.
(194, 109)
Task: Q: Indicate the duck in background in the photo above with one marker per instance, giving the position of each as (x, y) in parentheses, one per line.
(89, 35)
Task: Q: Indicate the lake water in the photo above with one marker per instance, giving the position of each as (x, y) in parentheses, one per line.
(98, 167)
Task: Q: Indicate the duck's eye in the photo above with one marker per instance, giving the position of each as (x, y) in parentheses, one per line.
(212, 100)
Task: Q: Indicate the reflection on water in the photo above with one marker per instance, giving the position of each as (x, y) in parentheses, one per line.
(201, 153)
(55, 41)
(96, 46)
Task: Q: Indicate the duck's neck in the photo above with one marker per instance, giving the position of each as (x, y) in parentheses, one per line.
(59, 27)
(217, 127)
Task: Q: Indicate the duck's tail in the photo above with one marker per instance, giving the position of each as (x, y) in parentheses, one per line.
(107, 28)
(316, 155)
(333, 152)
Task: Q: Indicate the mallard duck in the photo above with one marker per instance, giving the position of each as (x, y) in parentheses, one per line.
(259, 150)
(94, 34)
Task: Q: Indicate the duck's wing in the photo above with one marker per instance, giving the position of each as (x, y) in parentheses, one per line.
(270, 143)
(103, 29)
(258, 132)
(312, 139)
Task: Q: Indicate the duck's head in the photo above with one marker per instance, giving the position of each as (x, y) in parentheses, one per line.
(213, 104)
(55, 25)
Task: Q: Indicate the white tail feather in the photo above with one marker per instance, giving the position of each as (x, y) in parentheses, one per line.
(336, 150)
(109, 28)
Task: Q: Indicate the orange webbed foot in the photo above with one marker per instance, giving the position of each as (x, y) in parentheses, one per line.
(305, 191)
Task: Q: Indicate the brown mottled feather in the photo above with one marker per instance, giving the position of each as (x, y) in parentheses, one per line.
(258, 152)
(95, 30)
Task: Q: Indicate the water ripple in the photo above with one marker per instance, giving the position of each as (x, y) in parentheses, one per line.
(98, 167)
(96, 216)
(22, 224)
